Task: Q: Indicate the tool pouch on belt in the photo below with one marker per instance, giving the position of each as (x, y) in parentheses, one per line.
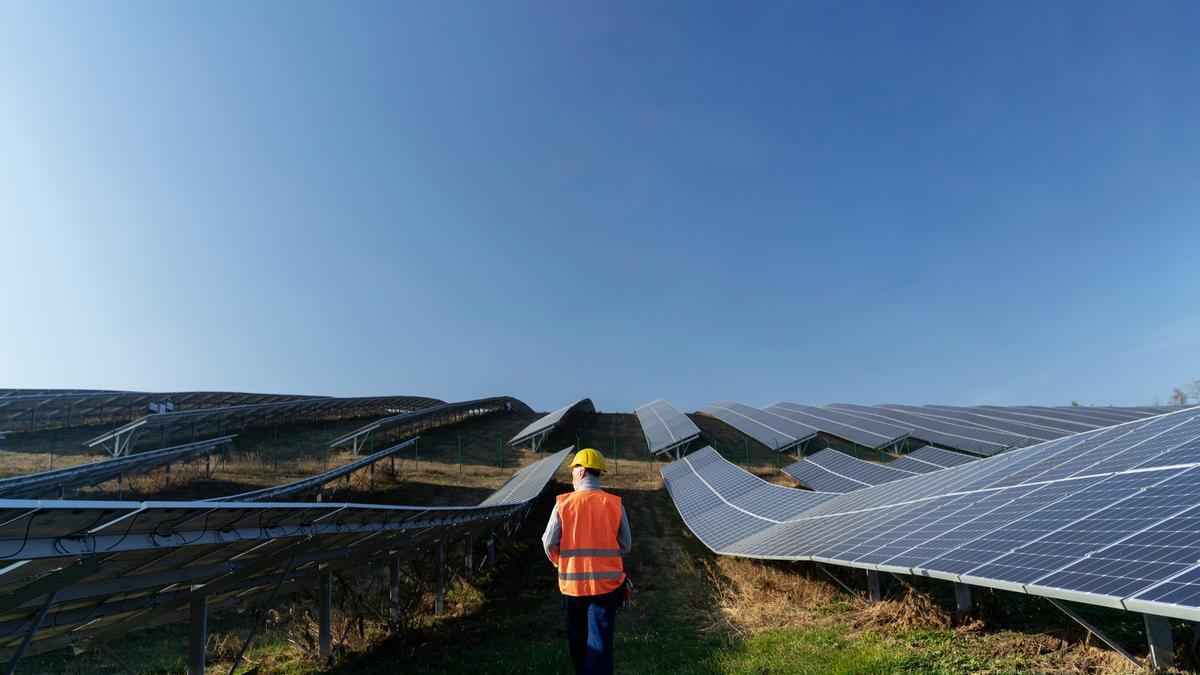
(627, 593)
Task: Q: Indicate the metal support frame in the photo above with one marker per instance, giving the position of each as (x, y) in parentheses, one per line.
(34, 625)
(962, 599)
(1100, 634)
(262, 617)
(325, 617)
(394, 586)
(1158, 635)
(469, 556)
(439, 564)
(197, 634)
(853, 593)
(873, 592)
(491, 548)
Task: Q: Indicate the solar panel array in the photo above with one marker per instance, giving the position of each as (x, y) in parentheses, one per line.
(56, 482)
(1108, 517)
(124, 437)
(539, 429)
(427, 418)
(868, 433)
(835, 471)
(1020, 428)
(764, 426)
(928, 458)
(959, 436)
(81, 573)
(34, 409)
(699, 484)
(315, 483)
(666, 427)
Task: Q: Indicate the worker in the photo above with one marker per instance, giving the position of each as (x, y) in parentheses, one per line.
(586, 537)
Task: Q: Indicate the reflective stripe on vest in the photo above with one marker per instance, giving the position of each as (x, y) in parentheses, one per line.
(589, 558)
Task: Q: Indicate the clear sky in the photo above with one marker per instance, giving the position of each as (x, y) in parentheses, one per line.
(903, 202)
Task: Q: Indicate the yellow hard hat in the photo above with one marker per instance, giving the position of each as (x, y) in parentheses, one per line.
(589, 458)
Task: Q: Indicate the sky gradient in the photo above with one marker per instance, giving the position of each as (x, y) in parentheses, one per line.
(951, 203)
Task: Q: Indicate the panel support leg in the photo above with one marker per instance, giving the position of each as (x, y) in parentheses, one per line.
(325, 617)
(394, 586)
(962, 599)
(491, 549)
(1158, 634)
(197, 634)
(439, 563)
(469, 557)
(873, 592)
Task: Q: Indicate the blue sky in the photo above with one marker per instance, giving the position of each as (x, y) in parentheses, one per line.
(905, 202)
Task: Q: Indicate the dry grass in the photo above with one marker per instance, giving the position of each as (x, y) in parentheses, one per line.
(762, 597)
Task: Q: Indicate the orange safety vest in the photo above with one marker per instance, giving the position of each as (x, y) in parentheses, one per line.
(589, 558)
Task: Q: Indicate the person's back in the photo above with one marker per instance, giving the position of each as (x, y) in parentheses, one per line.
(586, 537)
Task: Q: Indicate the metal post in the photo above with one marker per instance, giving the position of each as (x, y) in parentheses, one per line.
(394, 586)
(372, 478)
(197, 634)
(439, 562)
(120, 485)
(33, 629)
(325, 617)
(459, 443)
(501, 455)
(491, 549)
(746, 443)
(469, 557)
(167, 470)
(417, 452)
(873, 593)
(962, 599)
(1158, 635)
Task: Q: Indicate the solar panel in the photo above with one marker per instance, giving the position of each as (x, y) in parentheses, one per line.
(1065, 426)
(765, 427)
(426, 418)
(1108, 517)
(947, 434)
(58, 481)
(1027, 429)
(940, 457)
(666, 427)
(865, 432)
(111, 567)
(540, 428)
(914, 465)
(124, 437)
(697, 482)
(834, 471)
(314, 483)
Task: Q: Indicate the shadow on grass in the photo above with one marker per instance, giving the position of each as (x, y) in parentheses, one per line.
(518, 628)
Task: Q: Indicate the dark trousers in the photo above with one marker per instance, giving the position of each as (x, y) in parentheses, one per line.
(591, 620)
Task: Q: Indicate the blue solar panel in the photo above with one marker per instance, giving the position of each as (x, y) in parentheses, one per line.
(1110, 517)
(838, 472)
(941, 457)
(1026, 429)
(773, 431)
(946, 434)
(869, 433)
(914, 465)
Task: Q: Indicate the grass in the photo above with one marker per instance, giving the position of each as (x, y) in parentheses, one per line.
(694, 612)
